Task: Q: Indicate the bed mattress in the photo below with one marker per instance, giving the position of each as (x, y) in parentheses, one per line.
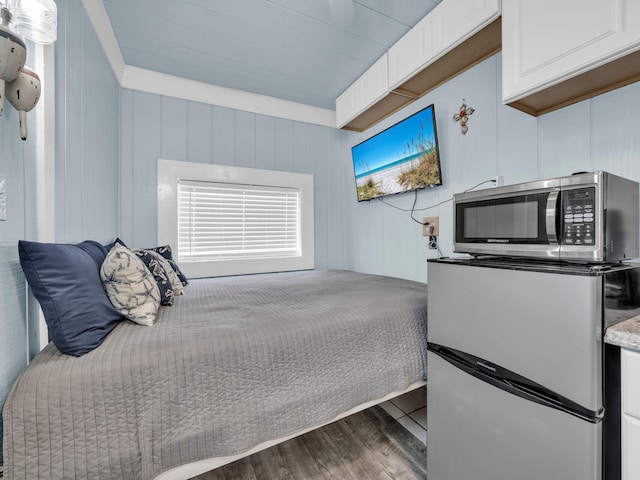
(235, 362)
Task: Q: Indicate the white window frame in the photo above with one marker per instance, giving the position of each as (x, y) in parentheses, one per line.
(45, 113)
(170, 172)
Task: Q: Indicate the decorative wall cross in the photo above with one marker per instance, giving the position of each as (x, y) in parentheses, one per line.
(463, 116)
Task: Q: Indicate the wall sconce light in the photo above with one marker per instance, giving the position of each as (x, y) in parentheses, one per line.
(35, 20)
(23, 93)
(13, 54)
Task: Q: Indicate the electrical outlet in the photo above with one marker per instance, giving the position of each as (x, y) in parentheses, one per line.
(430, 227)
(498, 181)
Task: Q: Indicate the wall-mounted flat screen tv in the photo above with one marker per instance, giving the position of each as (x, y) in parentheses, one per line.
(402, 158)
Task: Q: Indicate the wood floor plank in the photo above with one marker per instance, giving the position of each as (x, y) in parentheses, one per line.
(303, 461)
(403, 454)
(362, 461)
(369, 445)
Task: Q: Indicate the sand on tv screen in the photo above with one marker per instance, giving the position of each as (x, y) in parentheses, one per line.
(402, 158)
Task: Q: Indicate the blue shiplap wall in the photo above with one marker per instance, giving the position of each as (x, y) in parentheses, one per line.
(108, 142)
(17, 163)
(155, 126)
(87, 162)
(596, 134)
(87, 132)
(372, 237)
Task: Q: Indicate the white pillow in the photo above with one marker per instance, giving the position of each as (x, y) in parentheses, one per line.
(130, 286)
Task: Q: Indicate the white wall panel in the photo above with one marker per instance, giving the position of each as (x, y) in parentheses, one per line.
(222, 136)
(127, 136)
(198, 132)
(148, 128)
(517, 150)
(317, 146)
(87, 132)
(564, 141)
(174, 128)
(337, 195)
(245, 139)
(301, 147)
(69, 130)
(615, 140)
(285, 159)
(266, 142)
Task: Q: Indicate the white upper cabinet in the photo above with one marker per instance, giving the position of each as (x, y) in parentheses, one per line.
(365, 91)
(447, 26)
(409, 54)
(455, 21)
(546, 42)
(454, 36)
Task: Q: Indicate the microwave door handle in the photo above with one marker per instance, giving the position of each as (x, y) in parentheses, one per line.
(551, 213)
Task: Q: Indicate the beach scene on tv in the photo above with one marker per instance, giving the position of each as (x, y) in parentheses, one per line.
(402, 158)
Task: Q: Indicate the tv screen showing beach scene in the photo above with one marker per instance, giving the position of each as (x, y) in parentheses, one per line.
(402, 158)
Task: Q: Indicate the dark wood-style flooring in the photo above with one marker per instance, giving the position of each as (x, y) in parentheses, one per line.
(369, 445)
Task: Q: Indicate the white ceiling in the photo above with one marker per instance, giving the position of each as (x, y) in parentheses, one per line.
(288, 49)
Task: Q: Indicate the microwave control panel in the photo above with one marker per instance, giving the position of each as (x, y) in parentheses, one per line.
(578, 221)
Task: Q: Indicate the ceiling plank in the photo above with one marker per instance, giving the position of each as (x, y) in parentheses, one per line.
(285, 48)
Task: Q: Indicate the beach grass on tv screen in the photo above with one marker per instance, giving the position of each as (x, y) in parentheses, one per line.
(400, 159)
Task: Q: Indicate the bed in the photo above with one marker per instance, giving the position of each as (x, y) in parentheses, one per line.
(235, 365)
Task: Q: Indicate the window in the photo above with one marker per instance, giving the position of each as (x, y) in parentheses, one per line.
(219, 221)
(224, 220)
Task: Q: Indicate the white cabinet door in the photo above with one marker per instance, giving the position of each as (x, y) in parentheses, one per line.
(547, 41)
(630, 370)
(409, 54)
(364, 92)
(453, 21)
(630, 366)
(630, 448)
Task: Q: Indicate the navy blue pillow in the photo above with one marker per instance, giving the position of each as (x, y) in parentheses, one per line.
(109, 246)
(95, 250)
(165, 251)
(66, 281)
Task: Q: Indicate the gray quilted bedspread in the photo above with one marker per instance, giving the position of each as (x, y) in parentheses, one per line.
(233, 363)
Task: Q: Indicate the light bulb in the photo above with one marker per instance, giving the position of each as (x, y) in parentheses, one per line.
(36, 20)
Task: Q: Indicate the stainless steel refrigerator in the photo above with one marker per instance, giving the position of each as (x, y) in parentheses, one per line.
(520, 384)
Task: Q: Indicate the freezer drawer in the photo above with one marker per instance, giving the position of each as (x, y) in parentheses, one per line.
(480, 432)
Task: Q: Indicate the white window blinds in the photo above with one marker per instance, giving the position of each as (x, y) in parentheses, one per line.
(225, 221)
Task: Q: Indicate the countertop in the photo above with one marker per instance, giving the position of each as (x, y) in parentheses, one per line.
(625, 334)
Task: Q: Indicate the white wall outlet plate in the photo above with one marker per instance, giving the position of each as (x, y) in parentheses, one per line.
(430, 226)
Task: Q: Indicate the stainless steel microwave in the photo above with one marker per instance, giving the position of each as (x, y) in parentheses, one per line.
(587, 217)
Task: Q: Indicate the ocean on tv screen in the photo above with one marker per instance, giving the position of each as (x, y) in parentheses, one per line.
(402, 158)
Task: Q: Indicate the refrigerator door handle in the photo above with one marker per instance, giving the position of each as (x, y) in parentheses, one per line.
(513, 383)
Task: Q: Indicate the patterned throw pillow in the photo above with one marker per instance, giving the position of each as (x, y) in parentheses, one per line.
(130, 286)
(160, 274)
(165, 251)
(176, 284)
(163, 274)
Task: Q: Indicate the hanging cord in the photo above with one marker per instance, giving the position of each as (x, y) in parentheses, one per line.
(415, 200)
